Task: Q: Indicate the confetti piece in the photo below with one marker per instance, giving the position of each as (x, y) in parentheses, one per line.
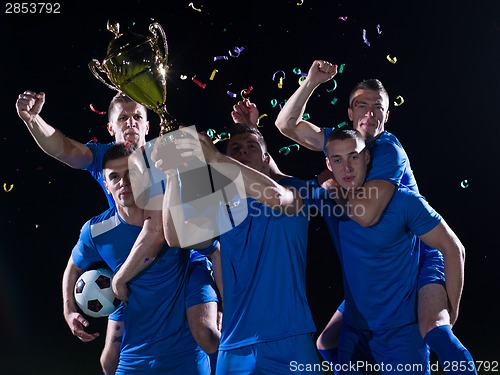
(342, 124)
(9, 189)
(306, 116)
(277, 72)
(301, 2)
(274, 102)
(202, 85)
(334, 86)
(401, 101)
(392, 60)
(301, 79)
(343, 18)
(220, 58)
(364, 38)
(230, 93)
(96, 111)
(183, 77)
(464, 184)
(378, 29)
(334, 100)
(146, 260)
(280, 83)
(192, 6)
(341, 68)
(94, 140)
(213, 74)
(286, 149)
(237, 51)
(245, 93)
(258, 120)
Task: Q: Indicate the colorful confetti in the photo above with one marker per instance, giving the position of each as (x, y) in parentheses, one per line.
(202, 85)
(401, 101)
(464, 184)
(334, 86)
(9, 189)
(192, 6)
(95, 110)
(213, 74)
(392, 60)
(364, 38)
(286, 149)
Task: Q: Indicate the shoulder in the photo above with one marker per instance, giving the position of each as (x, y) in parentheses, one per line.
(103, 223)
(387, 143)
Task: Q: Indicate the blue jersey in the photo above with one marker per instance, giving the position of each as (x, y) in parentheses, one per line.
(154, 322)
(380, 263)
(264, 271)
(200, 290)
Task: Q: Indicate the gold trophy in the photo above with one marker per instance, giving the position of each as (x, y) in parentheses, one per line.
(136, 65)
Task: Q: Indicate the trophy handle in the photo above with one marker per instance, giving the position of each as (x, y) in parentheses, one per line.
(96, 69)
(153, 28)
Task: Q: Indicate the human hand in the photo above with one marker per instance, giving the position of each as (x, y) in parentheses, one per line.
(198, 145)
(321, 71)
(29, 104)
(327, 181)
(77, 324)
(245, 112)
(120, 288)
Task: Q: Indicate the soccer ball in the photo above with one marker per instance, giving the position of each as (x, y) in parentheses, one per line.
(93, 293)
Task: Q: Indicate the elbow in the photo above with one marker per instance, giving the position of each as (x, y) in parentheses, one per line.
(285, 124)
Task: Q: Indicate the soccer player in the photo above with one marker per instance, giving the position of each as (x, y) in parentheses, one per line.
(369, 111)
(380, 267)
(156, 334)
(267, 326)
(127, 122)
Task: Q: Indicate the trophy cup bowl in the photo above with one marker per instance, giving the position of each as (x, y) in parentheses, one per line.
(136, 65)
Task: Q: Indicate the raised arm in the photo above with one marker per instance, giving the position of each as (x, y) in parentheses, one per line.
(76, 322)
(445, 240)
(51, 140)
(289, 120)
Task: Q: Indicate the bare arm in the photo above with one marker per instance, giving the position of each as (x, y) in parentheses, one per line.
(367, 206)
(146, 248)
(76, 322)
(289, 120)
(445, 240)
(52, 141)
(217, 269)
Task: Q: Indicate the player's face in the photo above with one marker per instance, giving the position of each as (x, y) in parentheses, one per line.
(128, 122)
(117, 181)
(247, 150)
(348, 160)
(369, 113)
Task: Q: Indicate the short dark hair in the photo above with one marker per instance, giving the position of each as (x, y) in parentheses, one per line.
(236, 129)
(121, 98)
(343, 134)
(117, 151)
(368, 84)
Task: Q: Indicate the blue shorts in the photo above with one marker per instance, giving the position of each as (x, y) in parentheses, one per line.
(200, 286)
(286, 356)
(189, 364)
(398, 350)
(431, 266)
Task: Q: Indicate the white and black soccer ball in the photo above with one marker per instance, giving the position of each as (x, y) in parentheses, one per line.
(94, 294)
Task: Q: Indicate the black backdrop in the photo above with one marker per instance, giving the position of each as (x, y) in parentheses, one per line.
(446, 72)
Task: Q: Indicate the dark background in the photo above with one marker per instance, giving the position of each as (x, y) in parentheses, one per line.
(446, 71)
